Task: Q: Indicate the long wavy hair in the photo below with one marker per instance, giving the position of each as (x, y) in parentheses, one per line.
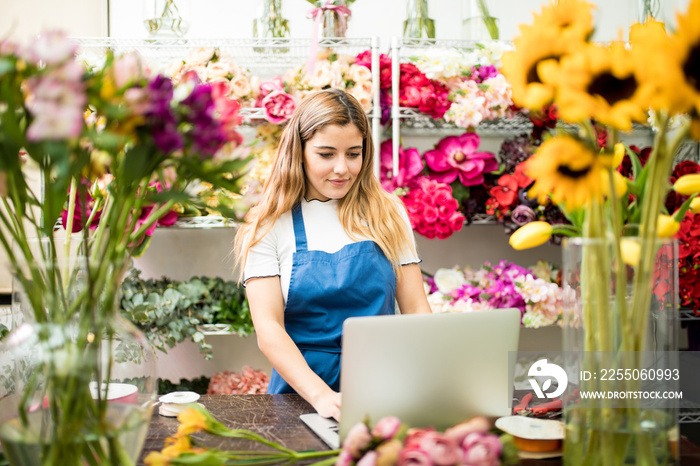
(366, 211)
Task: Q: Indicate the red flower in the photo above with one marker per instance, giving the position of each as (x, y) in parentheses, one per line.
(520, 176)
(507, 190)
(432, 209)
(365, 59)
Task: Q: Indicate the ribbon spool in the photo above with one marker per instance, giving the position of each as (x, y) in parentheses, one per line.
(174, 403)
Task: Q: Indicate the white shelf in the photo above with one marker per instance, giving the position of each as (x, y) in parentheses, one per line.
(204, 222)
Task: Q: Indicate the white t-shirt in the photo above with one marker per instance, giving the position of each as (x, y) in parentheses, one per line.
(273, 254)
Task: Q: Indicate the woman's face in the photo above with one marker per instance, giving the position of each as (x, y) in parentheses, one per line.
(332, 161)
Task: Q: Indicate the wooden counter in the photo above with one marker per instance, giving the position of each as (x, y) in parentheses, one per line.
(276, 417)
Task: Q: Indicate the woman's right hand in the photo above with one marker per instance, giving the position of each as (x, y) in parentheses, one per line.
(327, 404)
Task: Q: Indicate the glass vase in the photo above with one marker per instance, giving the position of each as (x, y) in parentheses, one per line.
(166, 19)
(418, 25)
(621, 354)
(335, 24)
(77, 380)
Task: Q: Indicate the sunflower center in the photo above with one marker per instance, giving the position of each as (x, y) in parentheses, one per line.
(613, 89)
(532, 76)
(691, 67)
(459, 156)
(573, 173)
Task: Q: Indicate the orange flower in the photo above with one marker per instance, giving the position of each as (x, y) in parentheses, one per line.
(191, 421)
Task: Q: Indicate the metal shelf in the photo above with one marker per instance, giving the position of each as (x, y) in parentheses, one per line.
(688, 412)
(204, 222)
(262, 57)
(688, 314)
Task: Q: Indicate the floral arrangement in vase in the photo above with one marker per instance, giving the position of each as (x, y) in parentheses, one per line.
(623, 311)
(532, 290)
(114, 178)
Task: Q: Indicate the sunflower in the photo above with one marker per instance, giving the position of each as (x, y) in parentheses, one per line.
(567, 170)
(672, 63)
(600, 82)
(558, 30)
(572, 19)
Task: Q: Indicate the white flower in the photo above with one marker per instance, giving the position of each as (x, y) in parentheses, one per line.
(321, 76)
(199, 56)
(448, 280)
(240, 86)
(359, 73)
(175, 68)
(364, 98)
(218, 69)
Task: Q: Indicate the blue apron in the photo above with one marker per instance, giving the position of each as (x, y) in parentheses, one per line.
(324, 290)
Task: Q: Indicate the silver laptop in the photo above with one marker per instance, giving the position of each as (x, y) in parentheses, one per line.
(428, 370)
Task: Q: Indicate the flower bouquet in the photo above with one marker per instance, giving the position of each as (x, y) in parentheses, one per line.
(114, 178)
(534, 291)
(620, 316)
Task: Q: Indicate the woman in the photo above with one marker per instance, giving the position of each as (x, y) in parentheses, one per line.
(327, 243)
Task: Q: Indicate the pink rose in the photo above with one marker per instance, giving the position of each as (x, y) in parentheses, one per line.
(414, 456)
(410, 97)
(357, 440)
(272, 85)
(482, 449)
(443, 450)
(460, 431)
(386, 427)
(369, 459)
(278, 106)
(344, 459)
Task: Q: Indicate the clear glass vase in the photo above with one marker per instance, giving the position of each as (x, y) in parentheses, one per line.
(165, 19)
(621, 354)
(77, 380)
(418, 25)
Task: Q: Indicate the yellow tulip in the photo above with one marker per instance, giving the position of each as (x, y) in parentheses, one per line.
(695, 205)
(531, 235)
(687, 184)
(630, 250)
(619, 154)
(619, 181)
(666, 226)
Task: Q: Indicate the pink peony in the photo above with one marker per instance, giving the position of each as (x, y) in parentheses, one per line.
(272, 85)
(369, 459)
(344, 459)
(357, 440)
(410, 166)
(414, 456)
(432, 209)
(442, 449)
(278, 106)
(456, 156)
(460, 431)
(386, 428)
(482, 449)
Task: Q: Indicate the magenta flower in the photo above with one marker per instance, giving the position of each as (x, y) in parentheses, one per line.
(456, 156)
(432, 210)
(278, 106)
(410, 165)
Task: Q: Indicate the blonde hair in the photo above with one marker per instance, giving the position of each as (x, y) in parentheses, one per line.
(367, 210)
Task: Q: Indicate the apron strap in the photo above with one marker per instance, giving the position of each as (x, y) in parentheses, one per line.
(299, 230)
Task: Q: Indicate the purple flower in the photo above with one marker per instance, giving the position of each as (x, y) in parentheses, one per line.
(523, 214)
(482, 73)
(457, 156)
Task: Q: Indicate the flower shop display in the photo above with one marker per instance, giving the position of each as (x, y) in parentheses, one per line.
(632, 309)
(330, 69)
(248, 382)
(432, 209)
(532, 290)
(212, 65)
(388, 442)
(170, 311)
(116, 175)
